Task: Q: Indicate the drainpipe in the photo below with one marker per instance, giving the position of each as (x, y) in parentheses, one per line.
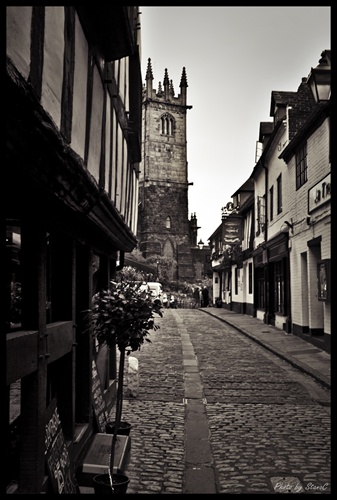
(266, 266)
(265, 167)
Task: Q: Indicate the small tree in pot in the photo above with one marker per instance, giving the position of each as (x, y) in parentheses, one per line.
(122, 316)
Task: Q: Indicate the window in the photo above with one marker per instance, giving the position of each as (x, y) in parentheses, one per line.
(323, 275)
(168, 222)
(167, 124)
(279, 194)
(279, 287)
(301, 166)
(260, 288)
(250, 278)
(13, 275)
(261, 219)
(271, 203)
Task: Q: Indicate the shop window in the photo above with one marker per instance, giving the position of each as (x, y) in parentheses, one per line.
(323, 275)
(279, 287)
(13, 275)
(236, 280)
(260, 288)
(250, 278)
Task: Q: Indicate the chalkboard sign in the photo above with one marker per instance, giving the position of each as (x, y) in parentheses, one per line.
(59, 467)
(98, 400)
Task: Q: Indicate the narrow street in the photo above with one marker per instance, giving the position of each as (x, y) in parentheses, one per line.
(218, 413)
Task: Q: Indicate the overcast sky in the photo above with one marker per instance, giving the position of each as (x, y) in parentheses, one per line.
(234, 58)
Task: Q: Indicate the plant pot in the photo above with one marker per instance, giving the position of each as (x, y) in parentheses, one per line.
(102, 484)
(123, 430)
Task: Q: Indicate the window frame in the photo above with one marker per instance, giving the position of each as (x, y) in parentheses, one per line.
(279, 194)
(301, 166)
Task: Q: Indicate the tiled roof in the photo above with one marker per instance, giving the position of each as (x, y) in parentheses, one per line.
(281, 98)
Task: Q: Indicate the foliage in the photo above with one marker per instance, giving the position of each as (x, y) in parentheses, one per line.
(164, 266)
(122, 315)
(130, 273)
(182, 291)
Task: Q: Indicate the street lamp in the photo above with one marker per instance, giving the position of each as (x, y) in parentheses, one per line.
(319, 79)
(201, 244)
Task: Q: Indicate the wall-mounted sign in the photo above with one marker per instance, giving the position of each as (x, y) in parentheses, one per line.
(60, 469)
(320, 193)
(232, 231)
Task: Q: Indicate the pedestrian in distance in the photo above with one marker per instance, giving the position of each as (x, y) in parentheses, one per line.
(205, 296)
(196, 297)
(200, 298)
(173, 303)
(165, 300)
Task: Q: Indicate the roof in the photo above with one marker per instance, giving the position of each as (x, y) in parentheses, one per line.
(280, 99)
(322, 110)
(247, 186)
(266, 128)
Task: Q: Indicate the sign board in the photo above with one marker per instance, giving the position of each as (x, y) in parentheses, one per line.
(98, 400)
(320, 193)
(59, 467)
(232, 231)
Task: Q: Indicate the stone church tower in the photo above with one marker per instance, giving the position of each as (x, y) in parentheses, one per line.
(164, 230)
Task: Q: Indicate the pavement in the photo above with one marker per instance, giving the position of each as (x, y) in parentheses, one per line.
(297, 351)
(205, 424)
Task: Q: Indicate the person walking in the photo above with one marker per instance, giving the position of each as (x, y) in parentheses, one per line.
(200, 298)
(205, 297)
(165, 300)
(196, 297)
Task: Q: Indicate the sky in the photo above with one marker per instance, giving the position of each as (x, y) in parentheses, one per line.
(234, 58)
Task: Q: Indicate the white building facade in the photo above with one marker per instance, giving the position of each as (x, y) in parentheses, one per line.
(285, 243)
(310, 230)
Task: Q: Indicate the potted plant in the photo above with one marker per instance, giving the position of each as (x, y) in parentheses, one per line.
(121, 317)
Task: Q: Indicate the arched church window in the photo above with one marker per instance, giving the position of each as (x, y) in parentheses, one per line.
(168, 222)
(167, 124)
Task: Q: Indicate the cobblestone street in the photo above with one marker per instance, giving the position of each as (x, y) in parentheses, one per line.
(267, 434)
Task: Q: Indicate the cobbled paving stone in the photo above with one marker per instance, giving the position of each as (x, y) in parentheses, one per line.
(263, 424)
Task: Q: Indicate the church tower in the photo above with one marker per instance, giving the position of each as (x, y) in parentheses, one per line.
(164, 230)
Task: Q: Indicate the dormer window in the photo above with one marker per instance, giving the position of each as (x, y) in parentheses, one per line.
(280, 114)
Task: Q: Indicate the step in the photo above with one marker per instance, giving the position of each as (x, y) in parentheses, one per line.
(96, 460)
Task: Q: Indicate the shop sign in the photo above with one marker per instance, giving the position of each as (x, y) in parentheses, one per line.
(319, 194)
(232, 231)
(60, 469)
(98, 400)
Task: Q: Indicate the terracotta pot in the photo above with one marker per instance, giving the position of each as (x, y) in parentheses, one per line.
(102, 484)
(123, 430)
